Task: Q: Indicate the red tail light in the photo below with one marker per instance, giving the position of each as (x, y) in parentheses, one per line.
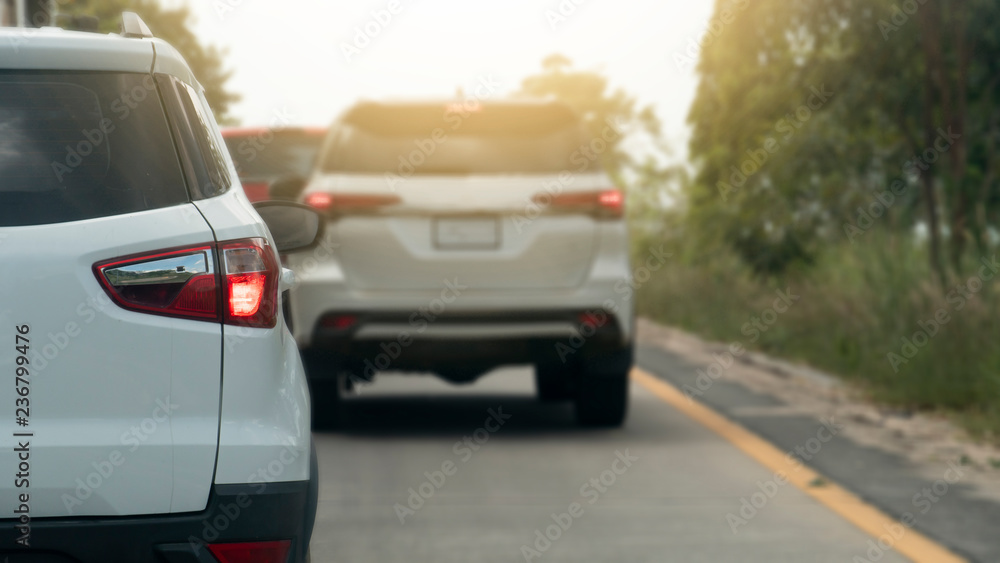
(589, 320)
(251, 552)
(185, 282)
(179, 282)
(612, 199)
(603, 203)
(349, 202)
(319, 200)
(251, 282)
(246, 293)
(338, 322)
(199, 297)
(256, 191)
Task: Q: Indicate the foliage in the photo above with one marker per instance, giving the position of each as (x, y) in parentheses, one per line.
(588, 94)
(855, 308)
(897, 75)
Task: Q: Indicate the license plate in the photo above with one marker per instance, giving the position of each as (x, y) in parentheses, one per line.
(467, 233)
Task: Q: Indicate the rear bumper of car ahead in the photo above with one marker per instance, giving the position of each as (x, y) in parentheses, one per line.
(468, 343)
(259, 512)
(324, 286)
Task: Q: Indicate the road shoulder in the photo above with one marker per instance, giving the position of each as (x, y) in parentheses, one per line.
(896, 461)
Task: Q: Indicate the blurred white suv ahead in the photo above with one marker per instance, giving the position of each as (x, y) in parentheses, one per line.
(154, 405)
(468, 236)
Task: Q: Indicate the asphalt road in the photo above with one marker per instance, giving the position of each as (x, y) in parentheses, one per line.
(424, 471)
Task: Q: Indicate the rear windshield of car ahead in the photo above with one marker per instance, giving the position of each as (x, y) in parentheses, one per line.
(271, 155)
(79, 145)
(457, 140)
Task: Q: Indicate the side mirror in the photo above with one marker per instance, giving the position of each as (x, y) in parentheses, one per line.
(294, 226)
(288, 188)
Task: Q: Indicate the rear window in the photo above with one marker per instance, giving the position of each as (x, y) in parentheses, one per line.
(458, 140)
(274, 154)
(80, 145)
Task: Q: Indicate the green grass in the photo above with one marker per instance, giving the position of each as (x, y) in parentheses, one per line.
(857, 303)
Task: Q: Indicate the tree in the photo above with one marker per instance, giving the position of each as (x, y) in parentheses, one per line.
(588, 94)
(960, 48)
(775, 170)
(896, 135)
(171, 25)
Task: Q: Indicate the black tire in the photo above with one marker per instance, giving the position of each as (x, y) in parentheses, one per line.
(328, 385)
(602, 393)
(602, 401)
(327, 402)
(554, 383)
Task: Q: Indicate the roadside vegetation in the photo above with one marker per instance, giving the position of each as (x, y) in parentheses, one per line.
(846, 151)
(855, 308)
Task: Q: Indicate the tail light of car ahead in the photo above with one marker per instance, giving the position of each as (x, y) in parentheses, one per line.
(344, 202)
(336, 321)
(600, 203)
(251, 552)
(256, 191)
(187, 282)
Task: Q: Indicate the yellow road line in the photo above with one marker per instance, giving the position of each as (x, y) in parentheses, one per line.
(871, 520)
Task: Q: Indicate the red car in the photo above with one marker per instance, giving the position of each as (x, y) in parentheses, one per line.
(263, 155)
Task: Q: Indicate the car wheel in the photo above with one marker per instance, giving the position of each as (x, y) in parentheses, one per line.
(327, 398)
(328, 385)
(602, 394)
(554, 383)
(602, 401)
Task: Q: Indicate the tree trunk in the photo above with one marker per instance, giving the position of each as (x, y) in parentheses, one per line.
(931, 43)
(956, 122)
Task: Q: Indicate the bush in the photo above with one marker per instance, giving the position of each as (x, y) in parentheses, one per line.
(859, 306)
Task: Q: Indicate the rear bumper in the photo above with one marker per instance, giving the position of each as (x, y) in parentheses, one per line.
(235, 513)
(468, 343)
(325, 289)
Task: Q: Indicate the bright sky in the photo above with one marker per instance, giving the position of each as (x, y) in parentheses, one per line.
(293, 59)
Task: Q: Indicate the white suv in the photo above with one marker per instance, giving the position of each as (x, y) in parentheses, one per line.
(154, 403)
(468, 236)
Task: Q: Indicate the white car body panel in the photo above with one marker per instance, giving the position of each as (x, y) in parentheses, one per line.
(265, 421)
(46, 48)
(124, 362)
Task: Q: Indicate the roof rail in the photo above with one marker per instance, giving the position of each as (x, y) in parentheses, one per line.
(134, 27)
